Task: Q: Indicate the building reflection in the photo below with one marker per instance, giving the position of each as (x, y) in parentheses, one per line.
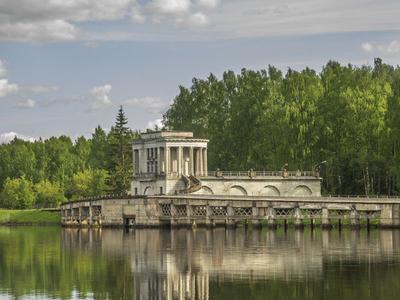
(179, 264)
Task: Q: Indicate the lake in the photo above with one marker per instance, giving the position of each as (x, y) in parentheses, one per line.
(57, 263)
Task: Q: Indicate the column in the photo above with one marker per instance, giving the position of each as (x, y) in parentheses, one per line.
(205, 162)
(298, 218)
(201, 161)
(167, 160)
(191, 161)
(325, 218)
(179, 160)
(355, 218)
(158, 171)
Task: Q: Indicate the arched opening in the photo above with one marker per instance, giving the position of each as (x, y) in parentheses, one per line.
(270, 190)
(205, 190)
(148, 191)
(237, 190)
(302, 190)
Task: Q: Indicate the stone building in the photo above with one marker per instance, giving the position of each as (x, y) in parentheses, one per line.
(172, 162)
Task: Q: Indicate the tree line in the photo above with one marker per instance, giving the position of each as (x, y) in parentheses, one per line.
(346, 115)
(45, 173)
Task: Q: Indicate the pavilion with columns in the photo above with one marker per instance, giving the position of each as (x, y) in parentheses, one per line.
(162, 158)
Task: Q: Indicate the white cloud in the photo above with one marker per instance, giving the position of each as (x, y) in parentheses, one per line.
(208, 3)
(61, 20)
(40, 89)
(153, 124)
(195, 20)
(55, 20)
(100, 95)
(3, 69)
(9, 136)
(26, 103)
(153, 105)
(368, 47)
(168, 6)
(7, 88)
(39, 31)
(391, 48)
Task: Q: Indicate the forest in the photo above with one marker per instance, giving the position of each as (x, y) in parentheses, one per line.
(348, 116)
(48, 172)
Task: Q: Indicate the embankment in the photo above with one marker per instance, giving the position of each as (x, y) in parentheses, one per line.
(29, 217)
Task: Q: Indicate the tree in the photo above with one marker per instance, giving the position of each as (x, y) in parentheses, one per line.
(99, 152)
(120, 141)
(89, 183)
(18, 193)
(48, 194)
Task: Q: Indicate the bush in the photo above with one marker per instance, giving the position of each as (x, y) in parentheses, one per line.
(18, 194)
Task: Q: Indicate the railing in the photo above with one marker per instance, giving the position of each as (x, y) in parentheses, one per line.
(261, 174)
(362, 196)
(148, 175)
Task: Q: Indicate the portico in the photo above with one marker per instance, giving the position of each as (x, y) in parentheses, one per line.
(167, 155)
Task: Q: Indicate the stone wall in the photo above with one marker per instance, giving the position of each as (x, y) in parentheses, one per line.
(283, 187)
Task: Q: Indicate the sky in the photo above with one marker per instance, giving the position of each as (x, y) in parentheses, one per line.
(67, 65)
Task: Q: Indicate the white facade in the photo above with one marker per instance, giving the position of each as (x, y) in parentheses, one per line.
(162, 158)
(170, 162)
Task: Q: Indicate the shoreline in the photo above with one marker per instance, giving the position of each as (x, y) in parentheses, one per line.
(29, 217)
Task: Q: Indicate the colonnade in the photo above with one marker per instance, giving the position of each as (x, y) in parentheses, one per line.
(186, 160)
(172, 160)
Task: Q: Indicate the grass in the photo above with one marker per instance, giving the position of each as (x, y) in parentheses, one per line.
(28, 217)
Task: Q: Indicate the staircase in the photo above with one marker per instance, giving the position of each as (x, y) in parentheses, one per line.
(192, 184)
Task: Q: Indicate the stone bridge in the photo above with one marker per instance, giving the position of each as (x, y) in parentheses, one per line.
(232, 210)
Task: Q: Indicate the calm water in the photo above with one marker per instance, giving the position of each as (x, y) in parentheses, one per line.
(47, 263)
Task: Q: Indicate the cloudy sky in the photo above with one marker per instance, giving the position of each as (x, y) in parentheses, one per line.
(66, 65)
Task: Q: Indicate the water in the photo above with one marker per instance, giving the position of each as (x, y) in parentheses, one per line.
(51, 262)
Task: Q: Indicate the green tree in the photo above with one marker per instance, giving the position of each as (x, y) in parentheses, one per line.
(18, 193)
(99, 152)
(89, 182)
(120, 141)
(48, 194)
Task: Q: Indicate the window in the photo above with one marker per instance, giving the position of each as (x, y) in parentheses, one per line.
(161, 190)
(136, 191)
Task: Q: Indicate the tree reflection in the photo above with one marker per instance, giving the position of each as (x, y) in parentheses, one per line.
(200, 264)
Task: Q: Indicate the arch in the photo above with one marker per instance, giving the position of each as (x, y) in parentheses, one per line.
(148, 190)
(302, 190)
(205, 190)
(270, 190)
(237, 190)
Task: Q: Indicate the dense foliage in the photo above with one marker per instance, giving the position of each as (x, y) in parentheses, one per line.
(45, 173)
(346, 115)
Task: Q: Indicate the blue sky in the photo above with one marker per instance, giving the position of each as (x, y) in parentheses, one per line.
(66, 65)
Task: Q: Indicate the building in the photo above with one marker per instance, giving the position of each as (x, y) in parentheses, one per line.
(172, 162)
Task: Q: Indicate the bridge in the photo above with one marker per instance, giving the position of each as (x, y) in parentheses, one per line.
(232, 210)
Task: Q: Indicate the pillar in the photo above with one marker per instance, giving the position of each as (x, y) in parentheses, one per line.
(191, 161)
(355, 218)
(271, 217)
(298, 218)
(167, 160)
(201, 161)
(158, 171)
(90, 214)
(180, 160)
(205, 162)
(325, 218)
(255, 216)
(230, 219)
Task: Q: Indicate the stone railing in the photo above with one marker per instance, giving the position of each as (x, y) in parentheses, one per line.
(252, 174)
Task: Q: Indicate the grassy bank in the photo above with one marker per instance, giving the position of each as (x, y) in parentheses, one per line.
(28, 217)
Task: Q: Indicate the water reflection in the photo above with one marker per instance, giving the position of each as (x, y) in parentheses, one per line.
(201, 264)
